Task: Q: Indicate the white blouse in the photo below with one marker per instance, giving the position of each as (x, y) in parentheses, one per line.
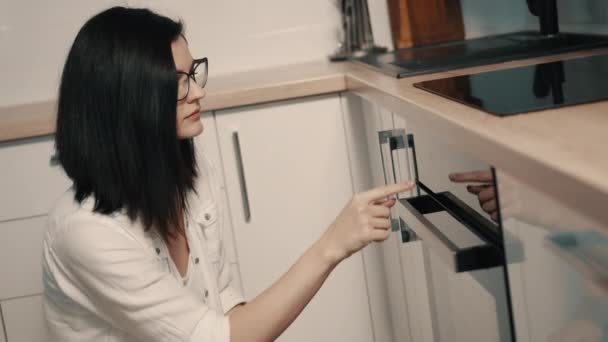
(107, 280)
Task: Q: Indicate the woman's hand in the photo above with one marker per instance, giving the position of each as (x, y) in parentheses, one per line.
(365, 218)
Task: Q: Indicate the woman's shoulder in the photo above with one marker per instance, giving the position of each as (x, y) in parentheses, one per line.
(80, 217)
(208, 184)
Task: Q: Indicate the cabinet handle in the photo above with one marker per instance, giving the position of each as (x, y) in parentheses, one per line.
(392, 140)
(490, 254)
(241, 171)
(54, 161)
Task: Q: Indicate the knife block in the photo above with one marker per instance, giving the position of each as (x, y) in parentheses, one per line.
(421, 22)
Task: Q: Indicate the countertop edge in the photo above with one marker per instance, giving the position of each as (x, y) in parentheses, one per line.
(527, 162)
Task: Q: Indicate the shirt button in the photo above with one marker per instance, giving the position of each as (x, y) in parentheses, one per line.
(196, 260)
(157, 250)
(206, 293)
(207, 216)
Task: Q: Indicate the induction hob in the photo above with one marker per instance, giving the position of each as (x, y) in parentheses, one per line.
(529, 88)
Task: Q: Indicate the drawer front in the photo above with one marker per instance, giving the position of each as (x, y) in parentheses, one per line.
(30, 185)
(21, 257)
(24, 320)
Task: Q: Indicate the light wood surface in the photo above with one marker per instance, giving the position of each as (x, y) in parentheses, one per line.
(562, 152)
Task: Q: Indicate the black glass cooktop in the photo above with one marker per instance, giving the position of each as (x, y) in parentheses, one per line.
(530, 88)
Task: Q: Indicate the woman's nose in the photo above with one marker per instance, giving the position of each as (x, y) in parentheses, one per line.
(197, 92)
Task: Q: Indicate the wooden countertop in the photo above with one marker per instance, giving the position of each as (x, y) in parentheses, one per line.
(563, 152)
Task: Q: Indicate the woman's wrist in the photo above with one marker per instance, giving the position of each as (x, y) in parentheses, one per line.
(328, 251)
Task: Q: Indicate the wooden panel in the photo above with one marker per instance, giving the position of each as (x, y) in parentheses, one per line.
(418, 22)
(24, 320)
(20, 257)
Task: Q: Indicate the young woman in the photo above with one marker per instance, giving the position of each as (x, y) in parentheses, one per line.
(132, 252)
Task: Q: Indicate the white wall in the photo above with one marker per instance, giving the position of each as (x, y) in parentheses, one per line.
(236, 35)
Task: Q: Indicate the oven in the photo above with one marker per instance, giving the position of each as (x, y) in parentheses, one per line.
(462, 245)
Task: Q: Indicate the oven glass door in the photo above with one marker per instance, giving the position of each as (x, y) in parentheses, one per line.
(559, 289)
(462, 243)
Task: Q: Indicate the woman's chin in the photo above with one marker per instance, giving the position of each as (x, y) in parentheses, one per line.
(191, 130)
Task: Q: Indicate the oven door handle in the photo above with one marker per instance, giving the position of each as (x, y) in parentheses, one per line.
(412, 210)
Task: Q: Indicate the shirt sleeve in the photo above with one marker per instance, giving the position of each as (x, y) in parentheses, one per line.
(108, 272)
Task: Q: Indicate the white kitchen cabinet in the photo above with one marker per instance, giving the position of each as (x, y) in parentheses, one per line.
(30, 184)
(287, 177)
(362, 122)
(21, 257)
(399, 298)
(24, 319)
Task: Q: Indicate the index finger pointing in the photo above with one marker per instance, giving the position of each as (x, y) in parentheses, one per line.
(385, 191)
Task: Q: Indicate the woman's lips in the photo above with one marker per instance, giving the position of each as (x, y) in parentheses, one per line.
(195, 113)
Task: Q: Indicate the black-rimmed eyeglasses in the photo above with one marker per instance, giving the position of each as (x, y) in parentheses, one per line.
(198, 73)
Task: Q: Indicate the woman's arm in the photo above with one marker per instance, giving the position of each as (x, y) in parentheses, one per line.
(364, 219)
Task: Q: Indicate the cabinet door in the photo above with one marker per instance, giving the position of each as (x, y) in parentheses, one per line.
(30, 183)
(363, 120)
(395, 271)
(359, 115)
(20, 257)
(24, 319)
(287, 177)
(557, 261)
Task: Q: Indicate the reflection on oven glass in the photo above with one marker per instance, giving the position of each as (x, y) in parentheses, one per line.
(561, 285)
(481, 184)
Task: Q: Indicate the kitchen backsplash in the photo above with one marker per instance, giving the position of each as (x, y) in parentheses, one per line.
(236, 35)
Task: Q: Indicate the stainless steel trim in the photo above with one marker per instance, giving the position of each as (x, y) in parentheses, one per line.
(459, 259)
(241, 171)
(428, 232)
(389, 140)
(395, 140)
